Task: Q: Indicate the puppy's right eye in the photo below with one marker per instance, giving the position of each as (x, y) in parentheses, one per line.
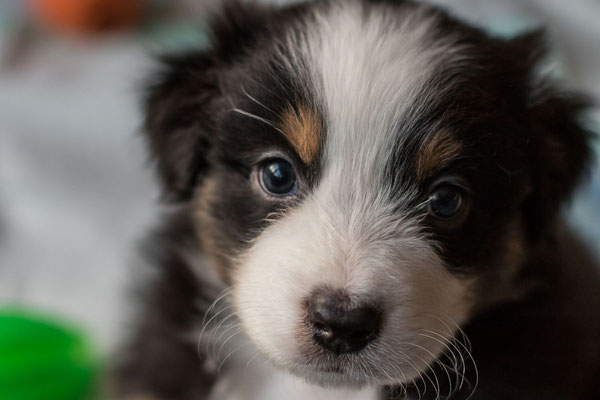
(277, 177)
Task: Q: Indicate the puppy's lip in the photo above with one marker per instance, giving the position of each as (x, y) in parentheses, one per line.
(328, 369)
(334, 377)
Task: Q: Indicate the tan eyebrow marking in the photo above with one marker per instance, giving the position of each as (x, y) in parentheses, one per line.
(302, 128)
(437, 152)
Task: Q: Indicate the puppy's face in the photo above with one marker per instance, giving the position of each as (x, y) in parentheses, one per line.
(366, 177)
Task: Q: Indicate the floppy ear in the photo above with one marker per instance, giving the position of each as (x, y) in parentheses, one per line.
(562, 154)
(177, 121)
(559, 147)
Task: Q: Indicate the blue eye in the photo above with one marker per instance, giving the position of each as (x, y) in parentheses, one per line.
(277, 177)
(446, 201)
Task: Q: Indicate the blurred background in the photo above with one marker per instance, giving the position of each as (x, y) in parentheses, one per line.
(76, 193)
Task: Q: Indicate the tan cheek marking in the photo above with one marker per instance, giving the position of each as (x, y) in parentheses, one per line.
(204, 223)
(505, 284)
(437, 152)
(302, 128)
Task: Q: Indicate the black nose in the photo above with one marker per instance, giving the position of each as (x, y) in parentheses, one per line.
(339, 325)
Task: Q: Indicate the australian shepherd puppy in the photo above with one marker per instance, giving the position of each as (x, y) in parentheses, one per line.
(365, 201)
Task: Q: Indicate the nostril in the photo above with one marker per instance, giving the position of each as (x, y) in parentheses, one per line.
(322, 330)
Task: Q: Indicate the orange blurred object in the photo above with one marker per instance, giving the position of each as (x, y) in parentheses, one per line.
(87, 16)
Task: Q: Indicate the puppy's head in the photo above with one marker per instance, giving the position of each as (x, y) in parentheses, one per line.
(365, 175)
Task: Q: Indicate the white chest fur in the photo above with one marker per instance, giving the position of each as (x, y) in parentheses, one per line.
(260, 381)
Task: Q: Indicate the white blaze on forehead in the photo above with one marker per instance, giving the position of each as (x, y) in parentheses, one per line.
(368, 73)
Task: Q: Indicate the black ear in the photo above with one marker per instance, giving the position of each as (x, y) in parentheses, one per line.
(179, 104)
(238, 25)
(559, 143)
(178, 121)
(560, 154)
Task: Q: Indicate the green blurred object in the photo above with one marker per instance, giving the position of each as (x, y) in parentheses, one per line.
(42, 358)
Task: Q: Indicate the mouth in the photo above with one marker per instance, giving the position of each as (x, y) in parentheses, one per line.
(335, 377)
(333, 373)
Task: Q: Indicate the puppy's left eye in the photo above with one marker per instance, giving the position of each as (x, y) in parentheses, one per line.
(277, 177)
(446, 201)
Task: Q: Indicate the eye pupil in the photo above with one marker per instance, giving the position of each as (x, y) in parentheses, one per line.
(446, 201)
(278, 177)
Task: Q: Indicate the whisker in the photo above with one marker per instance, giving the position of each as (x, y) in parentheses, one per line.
(256, 101)
(256, 117)
(229, 355)
(437, 382)
(221, 295)
(256, 354)
(439, 362)
(205, 324)
(237, 332)
(216, 341)
(467, 348)
(456, 362)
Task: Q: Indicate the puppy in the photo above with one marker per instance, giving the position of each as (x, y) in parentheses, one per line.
(365, 201)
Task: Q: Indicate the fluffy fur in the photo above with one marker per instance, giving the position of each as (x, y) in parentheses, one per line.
(373, 103)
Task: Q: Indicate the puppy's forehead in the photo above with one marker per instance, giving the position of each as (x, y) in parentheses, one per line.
(370, 71)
